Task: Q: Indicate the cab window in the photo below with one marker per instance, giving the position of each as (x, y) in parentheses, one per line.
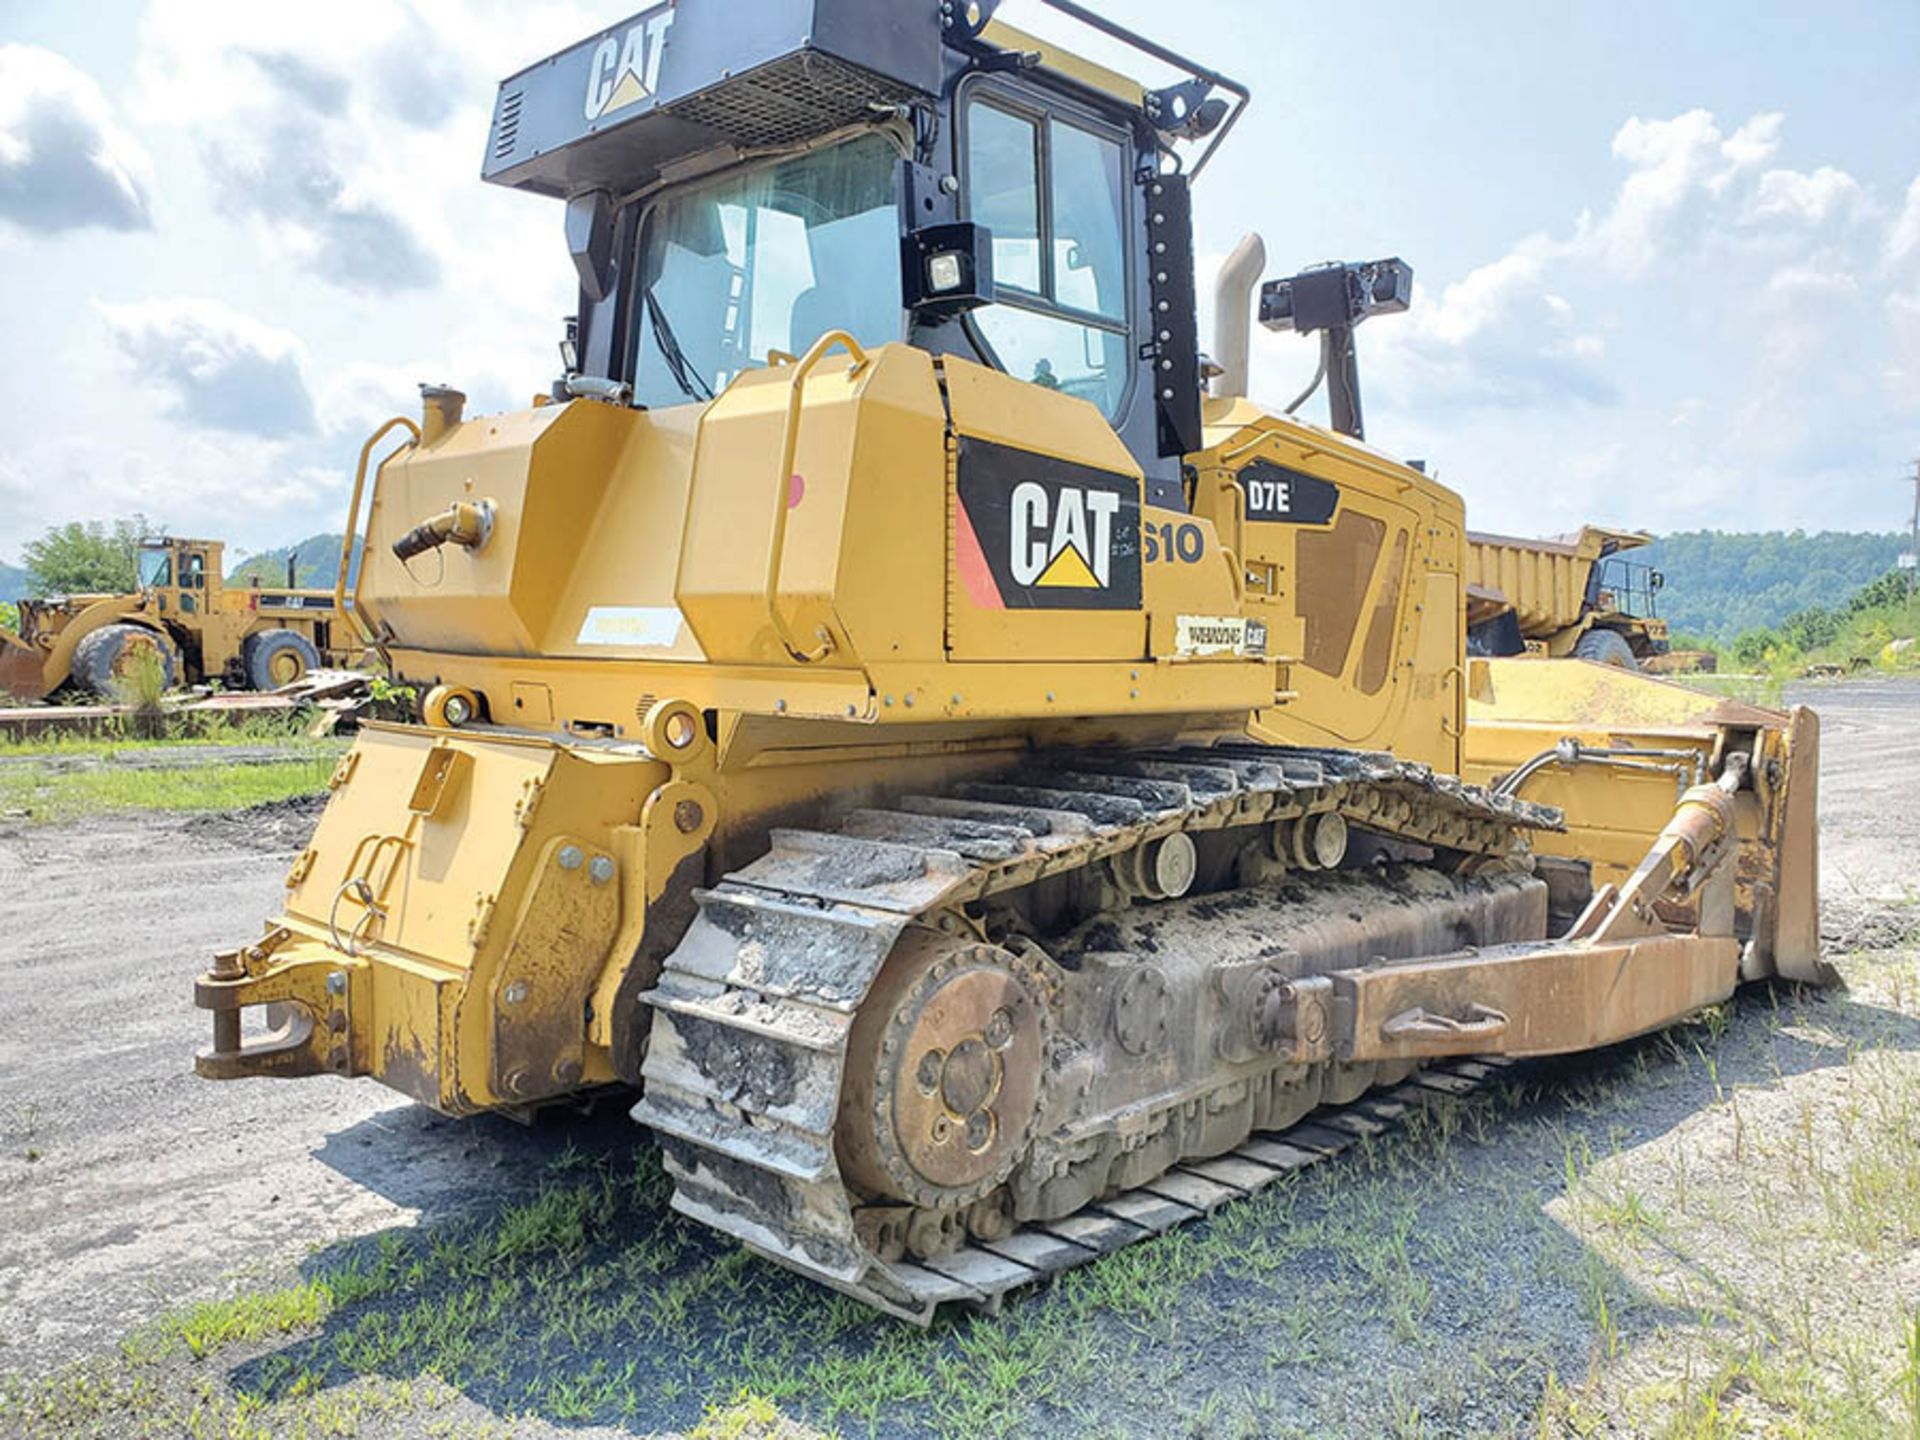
(1053, 193)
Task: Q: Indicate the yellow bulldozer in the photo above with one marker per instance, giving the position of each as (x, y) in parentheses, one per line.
(976, 786)
(194, 625)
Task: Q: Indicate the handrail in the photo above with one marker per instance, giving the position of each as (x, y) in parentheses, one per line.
(1155, 50)
(783, 498)
(353, 524)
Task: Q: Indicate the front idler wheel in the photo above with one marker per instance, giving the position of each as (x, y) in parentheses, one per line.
(944, 1069)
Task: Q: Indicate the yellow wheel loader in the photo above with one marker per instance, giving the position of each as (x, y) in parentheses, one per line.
(194, 625)
(983, 792)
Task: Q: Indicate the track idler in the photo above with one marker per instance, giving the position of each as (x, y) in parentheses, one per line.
(944, 1070)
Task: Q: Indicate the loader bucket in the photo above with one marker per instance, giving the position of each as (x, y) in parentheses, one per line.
(22, 671)
(1615, 749)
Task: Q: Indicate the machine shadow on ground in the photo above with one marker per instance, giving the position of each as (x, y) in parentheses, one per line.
(1416, 1282)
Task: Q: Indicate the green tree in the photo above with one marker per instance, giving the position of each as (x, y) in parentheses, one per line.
(1751, 649)
(1889, 589)
(1811, 628)
(77, 559)
(9, 615)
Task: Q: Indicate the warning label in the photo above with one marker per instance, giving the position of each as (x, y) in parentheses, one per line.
(1218, 635)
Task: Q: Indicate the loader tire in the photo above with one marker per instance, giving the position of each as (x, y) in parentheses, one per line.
(106, 655)
(1605, 647)
(274, 658)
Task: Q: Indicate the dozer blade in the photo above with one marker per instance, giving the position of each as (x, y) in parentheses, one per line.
(1614, 749)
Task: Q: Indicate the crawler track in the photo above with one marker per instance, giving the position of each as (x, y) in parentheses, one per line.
(983, 1272)
(753, 1012)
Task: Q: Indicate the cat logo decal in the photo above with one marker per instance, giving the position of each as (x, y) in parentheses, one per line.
(625, 68)
(1035, 533)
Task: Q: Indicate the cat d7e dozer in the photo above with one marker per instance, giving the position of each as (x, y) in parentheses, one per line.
(973, 784)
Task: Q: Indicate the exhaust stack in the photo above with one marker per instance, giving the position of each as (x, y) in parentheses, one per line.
(1233, 314)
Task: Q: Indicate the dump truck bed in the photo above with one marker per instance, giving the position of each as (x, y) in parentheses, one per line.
(1545, 581)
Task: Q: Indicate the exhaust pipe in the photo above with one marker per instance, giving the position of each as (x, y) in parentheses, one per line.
(441, 408)
(1233, 314)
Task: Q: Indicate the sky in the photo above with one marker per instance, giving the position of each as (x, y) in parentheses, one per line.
(1666, 257)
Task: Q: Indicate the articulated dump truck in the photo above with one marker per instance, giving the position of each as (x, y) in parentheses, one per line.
(982, 791)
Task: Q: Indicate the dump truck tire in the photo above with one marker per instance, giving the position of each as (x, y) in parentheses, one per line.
(103, 656)
(1605, 647)
(277, 657)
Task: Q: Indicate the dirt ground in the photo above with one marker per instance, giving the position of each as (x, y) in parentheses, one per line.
(129, 1188)
(128, 1185)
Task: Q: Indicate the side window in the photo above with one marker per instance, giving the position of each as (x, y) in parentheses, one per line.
(1003, 162)
(1060, 266)
(1089, 258)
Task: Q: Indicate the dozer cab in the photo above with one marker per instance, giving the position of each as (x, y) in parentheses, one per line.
(975, 786)
(184, 615)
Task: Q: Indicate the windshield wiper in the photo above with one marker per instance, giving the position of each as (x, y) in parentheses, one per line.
(664, 340)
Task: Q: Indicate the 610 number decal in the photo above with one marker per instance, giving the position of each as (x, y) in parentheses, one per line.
(1183, 543)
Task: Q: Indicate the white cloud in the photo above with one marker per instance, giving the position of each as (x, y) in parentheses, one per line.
(283, 176)
(1903, 237)
(315, 86)
(1675, 166)
(285, 122)
(1753, 144)
(65, 159)
(1810, 280)
(222, 370)
(226, 487)
(1714, 309)
(1807, 198)
(1902, 375)
(1488, 295)
(1512, 334)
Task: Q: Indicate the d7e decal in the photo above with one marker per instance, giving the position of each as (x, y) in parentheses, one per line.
(1276, 494)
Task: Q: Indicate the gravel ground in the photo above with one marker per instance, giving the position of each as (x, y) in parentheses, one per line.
(127, 1184)
(128, 1187)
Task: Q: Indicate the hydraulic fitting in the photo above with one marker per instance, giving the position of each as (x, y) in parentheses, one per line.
(467, 523)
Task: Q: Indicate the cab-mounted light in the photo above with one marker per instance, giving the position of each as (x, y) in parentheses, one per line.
(945, 271)
(948, 269)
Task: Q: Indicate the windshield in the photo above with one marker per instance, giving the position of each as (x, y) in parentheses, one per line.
(156, 568)
(768, 259)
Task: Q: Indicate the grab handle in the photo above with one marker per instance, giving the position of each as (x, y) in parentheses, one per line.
(353, 525)
(783, 496)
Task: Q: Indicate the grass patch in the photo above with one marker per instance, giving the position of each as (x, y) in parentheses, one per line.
(50, 795)
(189, 728)
(590, 1302)
(1778, 1225)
